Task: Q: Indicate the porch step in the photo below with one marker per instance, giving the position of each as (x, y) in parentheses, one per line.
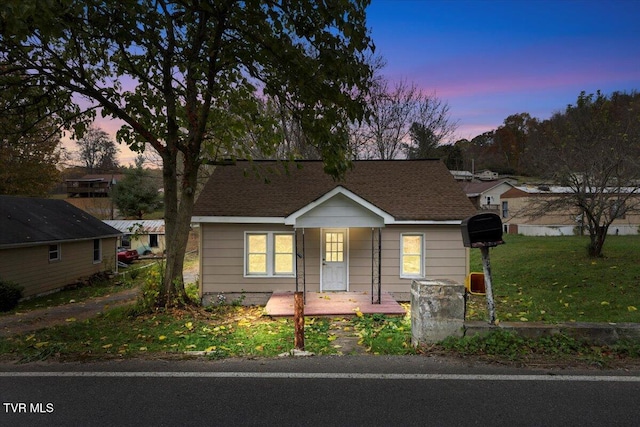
(333, 304)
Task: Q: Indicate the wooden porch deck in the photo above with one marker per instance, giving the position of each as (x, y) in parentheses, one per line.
(333, 304)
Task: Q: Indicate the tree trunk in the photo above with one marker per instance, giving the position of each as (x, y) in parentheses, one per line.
(179, 198)
(597, 236)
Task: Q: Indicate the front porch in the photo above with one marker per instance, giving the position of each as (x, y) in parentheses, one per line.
(333, 304)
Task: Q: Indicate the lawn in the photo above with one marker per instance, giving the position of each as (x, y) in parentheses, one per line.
(552, 279)
(535, 279)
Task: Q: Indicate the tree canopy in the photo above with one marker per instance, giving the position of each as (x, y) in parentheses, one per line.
(188, 78)
(97, 151)
(593, 148)
(29, 141)
(136, 194)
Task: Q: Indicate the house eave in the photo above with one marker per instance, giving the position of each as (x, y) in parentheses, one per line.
(238, 219)
(282, 220)
(55, 242)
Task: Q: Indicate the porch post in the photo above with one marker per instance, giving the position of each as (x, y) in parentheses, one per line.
(304, 271)
(304, 265)
(295, 252)
(379, 265)
(376, 270)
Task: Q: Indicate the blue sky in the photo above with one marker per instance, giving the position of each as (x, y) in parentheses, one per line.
(489, 59)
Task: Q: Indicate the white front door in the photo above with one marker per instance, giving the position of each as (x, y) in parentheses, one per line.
(334, 260)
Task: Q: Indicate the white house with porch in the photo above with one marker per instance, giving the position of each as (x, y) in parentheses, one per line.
(271, 226)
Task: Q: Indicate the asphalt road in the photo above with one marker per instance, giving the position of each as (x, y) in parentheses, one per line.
(318, 391)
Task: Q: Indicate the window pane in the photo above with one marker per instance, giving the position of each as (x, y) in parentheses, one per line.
(96, 250)
(257, 264)
(283, 259)
(257, 254)
(284, 244)
(412, 256)
(411, 244)
(283, 263)
(411, 264)
(258, 243)
(334, 247)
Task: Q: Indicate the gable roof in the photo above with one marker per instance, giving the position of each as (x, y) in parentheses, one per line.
(475, 188)
(407, 190)
(31, 221)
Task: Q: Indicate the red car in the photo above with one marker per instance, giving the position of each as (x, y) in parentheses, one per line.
(127, 256)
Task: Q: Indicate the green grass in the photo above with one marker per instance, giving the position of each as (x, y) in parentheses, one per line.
(221, 332)
(552, 279)
(534, 278)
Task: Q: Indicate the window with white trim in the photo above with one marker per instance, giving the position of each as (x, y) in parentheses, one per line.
(269, 254)
(97, 251)
(411, 255)
(54, 252)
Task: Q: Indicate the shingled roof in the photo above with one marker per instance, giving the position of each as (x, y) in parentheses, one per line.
(408, 190)
(29, 221)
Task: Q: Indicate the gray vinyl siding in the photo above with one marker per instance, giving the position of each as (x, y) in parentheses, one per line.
(30, 266)
(222, 258)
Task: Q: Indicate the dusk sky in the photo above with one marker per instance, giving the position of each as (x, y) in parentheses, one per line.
(491, 59)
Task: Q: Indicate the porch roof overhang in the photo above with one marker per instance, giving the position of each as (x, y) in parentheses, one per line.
(339, 208)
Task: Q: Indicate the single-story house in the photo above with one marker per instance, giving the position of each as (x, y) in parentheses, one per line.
(521, 200)
(269, 226)
(144, 235)
(46, 244)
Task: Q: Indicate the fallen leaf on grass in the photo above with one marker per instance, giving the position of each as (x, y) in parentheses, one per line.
(70, 319)
(632, 308)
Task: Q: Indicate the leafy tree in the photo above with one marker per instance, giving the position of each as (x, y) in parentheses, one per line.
(424, 144)
(136, 194)
(29, 143)
(97, 151)
(511, 140)
(593, 148)
(187, 79)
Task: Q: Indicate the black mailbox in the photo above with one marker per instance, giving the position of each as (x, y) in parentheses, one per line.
(481, 230)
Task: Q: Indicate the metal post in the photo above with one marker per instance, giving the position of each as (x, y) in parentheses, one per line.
(372, 263)
(379, 265)
(295, 251)
(486, 267)
(304, 271)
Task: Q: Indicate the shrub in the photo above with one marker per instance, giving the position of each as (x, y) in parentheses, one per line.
(10, 294)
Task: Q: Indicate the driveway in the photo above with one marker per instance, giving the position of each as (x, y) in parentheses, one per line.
(32, 320)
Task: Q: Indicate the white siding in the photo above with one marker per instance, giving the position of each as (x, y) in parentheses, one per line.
(339, 212)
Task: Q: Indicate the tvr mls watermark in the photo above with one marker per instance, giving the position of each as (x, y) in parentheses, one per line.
(28, 408)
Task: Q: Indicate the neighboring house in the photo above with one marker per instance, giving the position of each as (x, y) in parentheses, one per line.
(46, 244)
(95, 185)
(462, 175)
(263, 229)
(522, 199)
(486, 195)
(143, 235)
